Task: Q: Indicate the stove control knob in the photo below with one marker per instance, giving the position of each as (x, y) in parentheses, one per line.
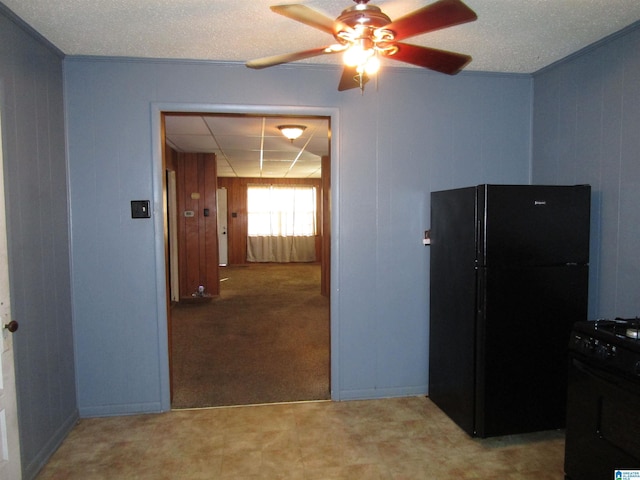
(605, 351)
(636, 368)
(588, 345)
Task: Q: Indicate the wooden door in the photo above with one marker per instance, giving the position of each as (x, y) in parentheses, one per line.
(197, 225)
(223, 246)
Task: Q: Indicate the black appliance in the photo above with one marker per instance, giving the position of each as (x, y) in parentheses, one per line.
(603, 402)
(509, 277)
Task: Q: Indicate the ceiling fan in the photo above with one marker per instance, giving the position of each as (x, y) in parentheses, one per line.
(364, 34)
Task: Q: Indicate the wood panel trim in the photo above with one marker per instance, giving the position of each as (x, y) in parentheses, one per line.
(325, 275)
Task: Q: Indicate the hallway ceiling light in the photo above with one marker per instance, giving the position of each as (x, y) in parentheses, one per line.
(292, 131)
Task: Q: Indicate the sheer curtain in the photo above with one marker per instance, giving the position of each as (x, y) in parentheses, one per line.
(281, 223)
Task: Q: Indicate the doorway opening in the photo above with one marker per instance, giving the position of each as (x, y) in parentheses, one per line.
(261, 328)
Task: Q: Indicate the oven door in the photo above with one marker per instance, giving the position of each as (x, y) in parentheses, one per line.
(603, 423)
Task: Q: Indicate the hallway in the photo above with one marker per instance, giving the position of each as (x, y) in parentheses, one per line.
(265, 339)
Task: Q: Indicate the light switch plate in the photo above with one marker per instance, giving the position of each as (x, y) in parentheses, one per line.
(140, 209)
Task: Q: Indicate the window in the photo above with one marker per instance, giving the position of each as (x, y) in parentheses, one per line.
(281, 211)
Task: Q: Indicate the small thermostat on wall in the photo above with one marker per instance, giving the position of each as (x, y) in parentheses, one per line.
(140, 209)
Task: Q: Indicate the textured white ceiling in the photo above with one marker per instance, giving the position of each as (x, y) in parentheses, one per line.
(511, 36)
(519, 36)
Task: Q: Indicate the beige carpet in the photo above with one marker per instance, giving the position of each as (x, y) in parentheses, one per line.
(264, 340)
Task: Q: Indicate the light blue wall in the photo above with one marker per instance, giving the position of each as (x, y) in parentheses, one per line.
(33, 144)
(587, 130)
(417, 132)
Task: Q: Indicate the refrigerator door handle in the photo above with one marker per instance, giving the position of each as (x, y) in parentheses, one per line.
(480, 260)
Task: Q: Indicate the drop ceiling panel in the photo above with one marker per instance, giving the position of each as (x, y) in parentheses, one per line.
(236, 156)
(234, 125)
(224, 170)
(193, 143)
(289, 156)
(240, 141)
(186, 125)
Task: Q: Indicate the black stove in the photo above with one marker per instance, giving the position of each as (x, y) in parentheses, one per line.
(603, 424)
(620, 329)
(611, 344)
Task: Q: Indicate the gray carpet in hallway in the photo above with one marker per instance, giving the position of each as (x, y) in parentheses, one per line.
(264, 340)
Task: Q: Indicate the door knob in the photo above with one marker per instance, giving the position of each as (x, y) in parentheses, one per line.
(12, 326)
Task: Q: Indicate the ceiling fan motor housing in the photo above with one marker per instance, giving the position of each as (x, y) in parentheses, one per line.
(362, 19)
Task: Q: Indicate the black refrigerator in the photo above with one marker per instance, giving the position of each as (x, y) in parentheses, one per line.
(508, 278)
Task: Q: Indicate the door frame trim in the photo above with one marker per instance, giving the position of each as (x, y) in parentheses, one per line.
(157, 109)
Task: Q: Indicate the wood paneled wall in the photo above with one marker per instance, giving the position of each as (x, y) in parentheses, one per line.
(198, 231)
(170, 158)
(237, 212)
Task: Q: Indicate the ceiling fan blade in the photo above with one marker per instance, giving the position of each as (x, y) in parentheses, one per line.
(287, 57)
(306, 15)
(439, 60)
(441, 14)
(350, 79)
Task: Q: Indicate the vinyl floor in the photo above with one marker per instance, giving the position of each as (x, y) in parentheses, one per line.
(390, 439)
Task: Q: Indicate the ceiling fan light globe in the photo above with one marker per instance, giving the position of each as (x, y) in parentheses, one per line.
(372, 66)
(356, 55)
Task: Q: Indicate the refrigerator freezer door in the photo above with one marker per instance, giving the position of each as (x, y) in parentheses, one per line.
(533, 225)
(524, 323)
